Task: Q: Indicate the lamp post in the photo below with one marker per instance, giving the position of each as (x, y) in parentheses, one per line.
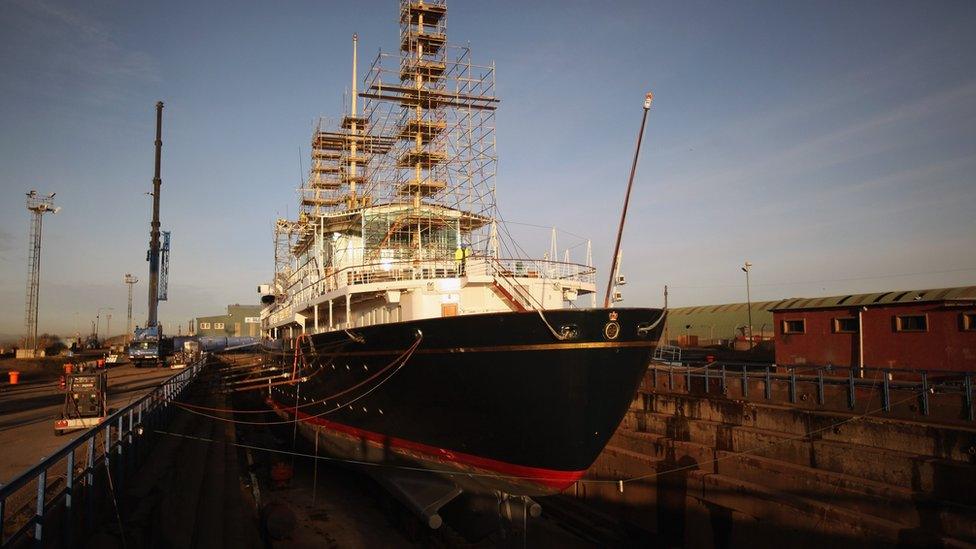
(98, 319)
(129, 280)
(746, 268)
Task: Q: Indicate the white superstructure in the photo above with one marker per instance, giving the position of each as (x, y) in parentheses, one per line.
(397, 216)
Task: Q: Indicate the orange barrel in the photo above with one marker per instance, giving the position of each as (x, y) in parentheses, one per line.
(14, 377)
(68, 367)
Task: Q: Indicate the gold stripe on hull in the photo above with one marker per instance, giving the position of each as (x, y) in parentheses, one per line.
(511, 348)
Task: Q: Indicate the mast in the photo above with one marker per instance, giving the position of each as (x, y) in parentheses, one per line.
(623, 214)
(154, 232)
(354, 127)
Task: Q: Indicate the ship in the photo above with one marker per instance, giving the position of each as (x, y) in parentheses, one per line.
(421, 340)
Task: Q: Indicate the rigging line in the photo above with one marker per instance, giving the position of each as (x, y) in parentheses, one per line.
(260, 382)
(353, 401)
(298, 346)
(520, 477)
(354, 461)
(555, 334)
(664, 313)
(402, 363)
(312, 345)
(323, 399)
(115, 502)
(324, 347)
(544, 227)
(519, 252)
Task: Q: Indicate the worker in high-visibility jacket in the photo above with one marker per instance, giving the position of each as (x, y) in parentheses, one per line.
(460, 258)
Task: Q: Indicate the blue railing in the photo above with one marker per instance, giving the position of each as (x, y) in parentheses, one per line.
(927, 384)
(28, 513)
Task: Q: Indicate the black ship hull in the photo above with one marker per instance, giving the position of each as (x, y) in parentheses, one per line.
(495, 400)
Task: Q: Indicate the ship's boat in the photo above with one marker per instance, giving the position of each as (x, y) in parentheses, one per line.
(418, 337)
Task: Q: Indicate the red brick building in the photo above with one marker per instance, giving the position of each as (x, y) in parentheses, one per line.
(917, 329)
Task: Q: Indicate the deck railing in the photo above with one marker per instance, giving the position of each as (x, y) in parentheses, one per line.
(307, 283)
(44, 499)
(912, 389)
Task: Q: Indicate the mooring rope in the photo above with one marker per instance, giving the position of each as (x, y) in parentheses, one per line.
(618, 481)
(399, 362)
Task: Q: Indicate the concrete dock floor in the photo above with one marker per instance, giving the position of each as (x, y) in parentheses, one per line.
(28, 411)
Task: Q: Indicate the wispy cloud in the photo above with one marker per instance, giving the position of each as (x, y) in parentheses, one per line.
(54, 50)
(858, 139)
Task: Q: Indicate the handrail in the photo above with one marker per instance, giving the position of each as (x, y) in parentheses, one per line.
(928, 383)
(425, 269)
(526, 297)
(137, 413)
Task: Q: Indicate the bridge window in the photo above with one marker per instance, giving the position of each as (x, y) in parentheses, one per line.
(794, 326)
(846, 325)
(911, 323)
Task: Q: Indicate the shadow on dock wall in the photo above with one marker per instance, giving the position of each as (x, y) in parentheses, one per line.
(712, 471)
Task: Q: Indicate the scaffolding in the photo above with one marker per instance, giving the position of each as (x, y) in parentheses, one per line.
(439, 107)
(410, 176)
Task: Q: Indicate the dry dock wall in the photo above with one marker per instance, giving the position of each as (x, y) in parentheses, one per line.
(717, 471)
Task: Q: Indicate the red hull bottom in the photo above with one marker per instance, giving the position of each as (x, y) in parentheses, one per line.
(473, 472)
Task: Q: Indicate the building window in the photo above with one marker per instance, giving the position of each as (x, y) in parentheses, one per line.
(204, 325)
(969, 321)
(218, 325)
(845, 325)
(794, 326)
(911, 323)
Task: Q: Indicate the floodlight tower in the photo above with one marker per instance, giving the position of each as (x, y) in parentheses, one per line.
(129, 280)
(38, 206)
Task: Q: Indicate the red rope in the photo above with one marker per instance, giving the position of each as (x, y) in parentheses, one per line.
(380, 372)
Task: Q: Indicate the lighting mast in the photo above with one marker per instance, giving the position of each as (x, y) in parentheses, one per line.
(38, 206)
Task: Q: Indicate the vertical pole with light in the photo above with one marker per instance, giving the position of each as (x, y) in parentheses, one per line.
(129, 281)
(746, 268)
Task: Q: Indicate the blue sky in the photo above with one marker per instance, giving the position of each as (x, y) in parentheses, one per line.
(833, 144)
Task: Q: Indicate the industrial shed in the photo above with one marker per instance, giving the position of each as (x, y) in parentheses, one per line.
(908, 329)
(708, 325)
(240, 321)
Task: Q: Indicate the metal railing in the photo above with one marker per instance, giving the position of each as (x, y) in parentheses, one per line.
(58, 483)
(736, 377)
(307, 283)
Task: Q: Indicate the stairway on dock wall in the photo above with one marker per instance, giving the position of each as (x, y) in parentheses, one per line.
(723, 472)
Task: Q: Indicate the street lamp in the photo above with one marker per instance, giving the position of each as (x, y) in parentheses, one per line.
(746, 268)
(98, 319)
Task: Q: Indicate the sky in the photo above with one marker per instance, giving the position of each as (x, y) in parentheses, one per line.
(831, 144)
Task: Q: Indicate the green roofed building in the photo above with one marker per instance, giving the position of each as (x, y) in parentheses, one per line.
(719, 324)
(240, 321)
